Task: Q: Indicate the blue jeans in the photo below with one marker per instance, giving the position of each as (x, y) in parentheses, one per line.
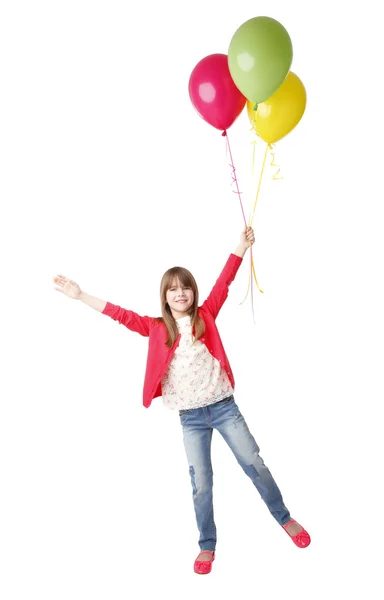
(198, 425)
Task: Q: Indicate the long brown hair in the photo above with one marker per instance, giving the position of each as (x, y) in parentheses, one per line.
(186, 278)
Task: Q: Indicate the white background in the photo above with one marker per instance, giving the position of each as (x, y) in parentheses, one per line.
(109, 176)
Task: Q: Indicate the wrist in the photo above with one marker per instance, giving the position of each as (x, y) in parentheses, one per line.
(240, 250)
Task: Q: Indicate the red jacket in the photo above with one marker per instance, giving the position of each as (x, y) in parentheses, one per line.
(159, 355)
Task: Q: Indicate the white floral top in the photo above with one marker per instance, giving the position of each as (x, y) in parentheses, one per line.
(194, 377)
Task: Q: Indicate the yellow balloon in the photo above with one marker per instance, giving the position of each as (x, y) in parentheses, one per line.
(278, 115)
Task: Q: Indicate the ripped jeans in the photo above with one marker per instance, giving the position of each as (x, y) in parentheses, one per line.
(198, 425)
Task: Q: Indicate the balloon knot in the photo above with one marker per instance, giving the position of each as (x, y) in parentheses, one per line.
(224, 133)
(256, 106)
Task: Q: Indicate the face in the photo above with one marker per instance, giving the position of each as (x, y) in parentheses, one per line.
(180, 299)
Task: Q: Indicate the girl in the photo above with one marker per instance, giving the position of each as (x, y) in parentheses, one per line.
(188, 367)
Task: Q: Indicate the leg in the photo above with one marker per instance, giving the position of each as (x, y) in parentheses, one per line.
(197, 435)
(228, 420)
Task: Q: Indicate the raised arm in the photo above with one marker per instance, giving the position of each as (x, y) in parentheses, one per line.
(219, 292)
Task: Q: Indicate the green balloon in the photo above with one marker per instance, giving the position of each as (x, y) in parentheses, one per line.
(259, 57)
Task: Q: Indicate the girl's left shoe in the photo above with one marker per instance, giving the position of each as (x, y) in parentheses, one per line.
(302, 539)
(203, 567)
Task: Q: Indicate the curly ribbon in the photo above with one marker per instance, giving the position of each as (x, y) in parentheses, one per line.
(271, 149)
(233, 174)
(259, 185)
(234, 181)
(273, 164)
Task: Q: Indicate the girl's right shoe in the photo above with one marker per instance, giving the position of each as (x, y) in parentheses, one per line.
(302, 539)
(203, 567)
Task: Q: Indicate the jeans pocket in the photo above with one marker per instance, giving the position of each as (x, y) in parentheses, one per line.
(183, 416)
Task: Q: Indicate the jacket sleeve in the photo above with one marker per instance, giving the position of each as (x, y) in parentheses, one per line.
(219, 292)
(130, 319)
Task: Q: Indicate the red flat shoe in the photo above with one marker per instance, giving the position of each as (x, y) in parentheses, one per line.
(302, 539)
(203, 567)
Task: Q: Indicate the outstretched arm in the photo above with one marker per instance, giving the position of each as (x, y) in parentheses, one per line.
(72, 290)
(130, 319)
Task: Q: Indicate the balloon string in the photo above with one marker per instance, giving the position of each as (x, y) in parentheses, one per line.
(252, 261)
(273, 164)
(233, 174)
(234, 180)
(253, 270)
(259, 184)
(253, 162)
(271, 148)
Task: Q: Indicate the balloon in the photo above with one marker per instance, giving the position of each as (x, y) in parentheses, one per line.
(278, 115)
(259, 57)
(213, 92)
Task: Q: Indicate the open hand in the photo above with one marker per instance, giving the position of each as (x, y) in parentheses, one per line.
(67, 286)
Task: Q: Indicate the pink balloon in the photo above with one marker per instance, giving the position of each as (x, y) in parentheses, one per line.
(213, 92)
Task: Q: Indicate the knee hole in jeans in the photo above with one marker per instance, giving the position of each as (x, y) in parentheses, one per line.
(193, 480)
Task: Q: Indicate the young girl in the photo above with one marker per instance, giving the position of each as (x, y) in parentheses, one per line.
(188, 367)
